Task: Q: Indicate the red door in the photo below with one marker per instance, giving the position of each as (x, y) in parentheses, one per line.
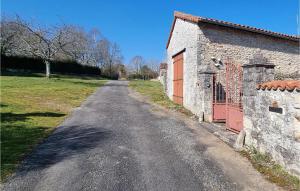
(178, 79)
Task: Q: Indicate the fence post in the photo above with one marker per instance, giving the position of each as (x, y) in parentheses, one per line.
(205, 82)
(258, 70)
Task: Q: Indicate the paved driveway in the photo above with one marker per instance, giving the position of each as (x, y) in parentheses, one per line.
(116, 141)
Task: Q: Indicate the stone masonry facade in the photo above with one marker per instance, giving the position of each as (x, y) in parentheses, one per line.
(270, 117)
(240, 46)
(204, 43)
(185, 37)
(275, 132)
(281, 137)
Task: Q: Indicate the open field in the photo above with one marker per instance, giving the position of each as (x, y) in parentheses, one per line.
(32, 106)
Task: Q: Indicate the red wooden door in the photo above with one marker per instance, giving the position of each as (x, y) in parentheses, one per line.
(178, 79)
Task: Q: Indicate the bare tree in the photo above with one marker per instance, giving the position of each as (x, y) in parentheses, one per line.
(41, 42)
(115, 56)
(137, 62)
(108, 55)
(63, 42)
(102, 53)
(8, 37)
(11, 33)
(153, 65)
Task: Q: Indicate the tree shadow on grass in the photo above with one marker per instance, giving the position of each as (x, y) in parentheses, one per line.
(116, 85)
(88, 83)
(11, 117)
(3, 105)
(21, 74)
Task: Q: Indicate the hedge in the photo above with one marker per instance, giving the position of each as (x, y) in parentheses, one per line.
(37, 65)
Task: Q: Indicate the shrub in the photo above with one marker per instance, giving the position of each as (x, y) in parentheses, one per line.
(37, 65)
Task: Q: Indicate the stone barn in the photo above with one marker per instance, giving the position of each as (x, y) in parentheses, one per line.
(206, 57)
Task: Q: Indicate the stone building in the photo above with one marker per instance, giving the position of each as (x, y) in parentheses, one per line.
(198, 48)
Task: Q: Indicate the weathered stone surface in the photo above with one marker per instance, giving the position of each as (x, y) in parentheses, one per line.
(185, 36)
(241, 46)
(275, 133)
(163, 78)
(203, 42)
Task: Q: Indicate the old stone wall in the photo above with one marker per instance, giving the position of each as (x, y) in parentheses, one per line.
(163, 78)
(185, 36)
(208, 46)
(272, 126)
(240, 46)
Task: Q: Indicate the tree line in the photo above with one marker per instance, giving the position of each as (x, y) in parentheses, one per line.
(140, 68)
(62, 42)
(66, 42)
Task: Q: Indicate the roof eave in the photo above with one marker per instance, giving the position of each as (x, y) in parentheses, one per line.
(197, 20)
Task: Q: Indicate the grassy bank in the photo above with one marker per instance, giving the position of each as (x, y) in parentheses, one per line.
(31, 107)
(154, 91)
(272, 171)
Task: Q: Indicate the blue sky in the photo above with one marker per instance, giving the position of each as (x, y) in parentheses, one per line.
(141, 27)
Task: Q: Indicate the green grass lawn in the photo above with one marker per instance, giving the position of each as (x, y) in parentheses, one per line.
(154, 90)
(31, 107)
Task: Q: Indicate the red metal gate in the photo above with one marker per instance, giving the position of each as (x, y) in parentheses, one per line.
(219, 97)
(227, 97)
(234, 93)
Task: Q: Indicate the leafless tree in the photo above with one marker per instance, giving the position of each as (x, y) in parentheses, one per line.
(11, 33)
(137, 62)
(73, 43)
(153, 65)
(108, 56)
(63, 42)
(41, 42)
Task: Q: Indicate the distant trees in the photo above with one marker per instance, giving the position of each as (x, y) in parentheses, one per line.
(61, 42)
(137, 62)
(141, 69)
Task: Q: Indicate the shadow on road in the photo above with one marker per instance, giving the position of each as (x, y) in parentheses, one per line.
(64, 143)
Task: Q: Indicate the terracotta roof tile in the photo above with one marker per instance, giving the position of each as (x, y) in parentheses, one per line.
(281, 85)
(197, 19)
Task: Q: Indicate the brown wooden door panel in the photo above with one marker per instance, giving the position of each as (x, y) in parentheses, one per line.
(180, 88)
(180, 69)
(178, 79)
(175, 71)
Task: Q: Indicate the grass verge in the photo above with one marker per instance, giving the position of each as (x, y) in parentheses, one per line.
(272, 171)
(32, 106)
(154, 91)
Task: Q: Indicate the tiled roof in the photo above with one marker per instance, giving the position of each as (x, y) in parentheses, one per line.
(197, 19)
(281, 85)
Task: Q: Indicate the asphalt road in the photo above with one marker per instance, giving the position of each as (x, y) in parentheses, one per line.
(117, 141)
